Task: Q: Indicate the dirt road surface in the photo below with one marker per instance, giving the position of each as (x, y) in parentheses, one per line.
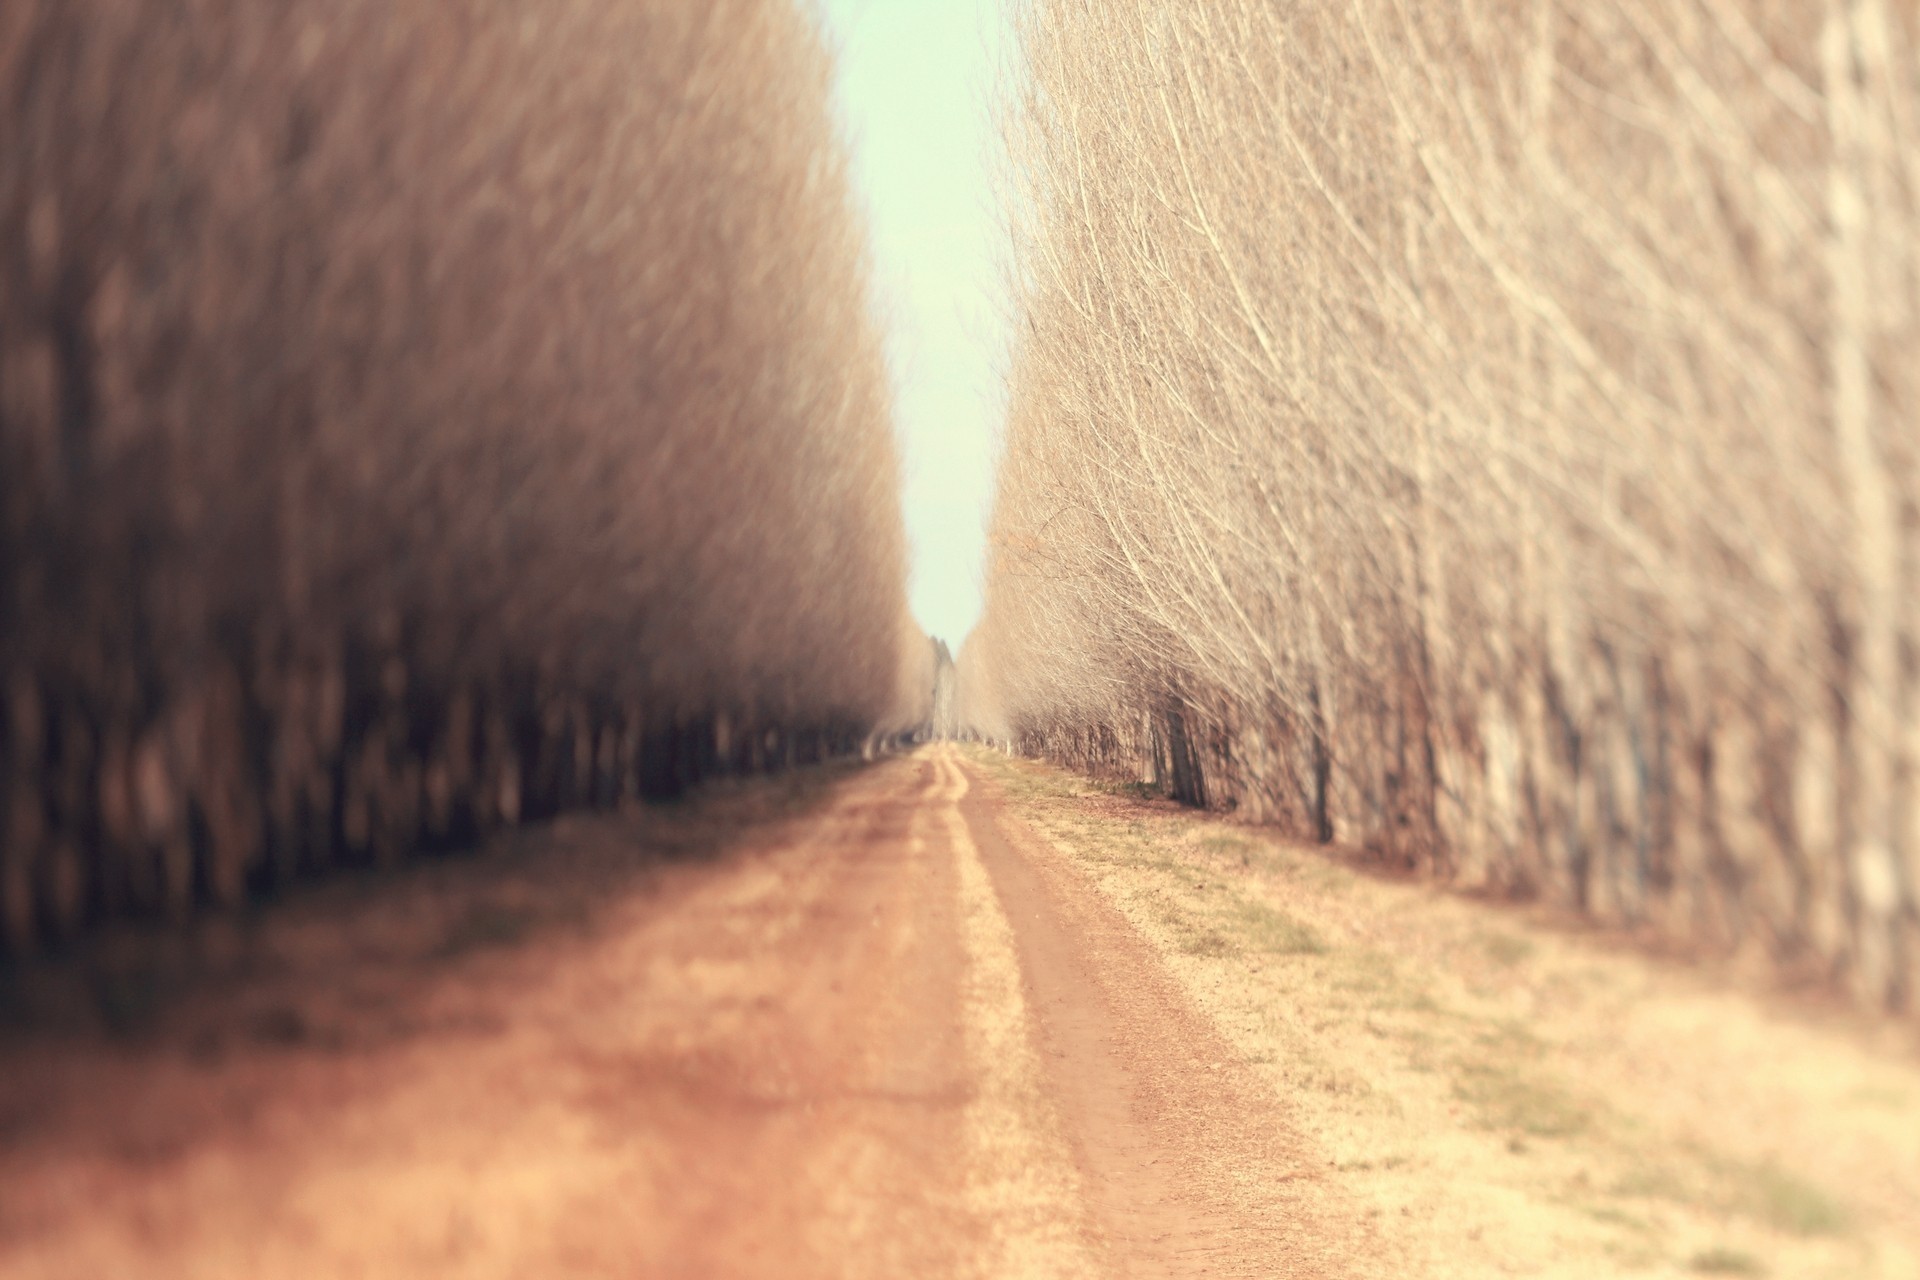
(875, 1036)
(947, 1015)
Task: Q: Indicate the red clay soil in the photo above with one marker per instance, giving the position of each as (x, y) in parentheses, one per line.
(742, 1038)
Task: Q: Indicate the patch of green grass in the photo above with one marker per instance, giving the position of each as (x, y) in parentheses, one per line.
(1509, 1038)
(1506, 949)
(1788, 1202)
(1722, 1261)
(1614, 1216)
(1507, 1098)
(1195, 937)
(1655, 1182)
(1273, 932)
(1238, 927)
(1210, 943)
(1369, 973)
(1763, 1193)
(1323, 875)
(1108, 851)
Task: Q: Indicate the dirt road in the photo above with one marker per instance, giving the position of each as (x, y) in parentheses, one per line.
(880, 1034)
(947, 1015)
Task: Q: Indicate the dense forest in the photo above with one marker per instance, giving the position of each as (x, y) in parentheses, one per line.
(1486, 432)
(416, 419)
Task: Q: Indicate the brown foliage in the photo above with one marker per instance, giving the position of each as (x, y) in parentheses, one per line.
(416, 418)
(1485, 431)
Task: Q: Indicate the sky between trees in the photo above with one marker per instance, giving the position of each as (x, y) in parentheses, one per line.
(914, 89)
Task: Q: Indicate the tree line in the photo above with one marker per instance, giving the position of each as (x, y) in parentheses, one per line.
(1486, 432)
(416, 419)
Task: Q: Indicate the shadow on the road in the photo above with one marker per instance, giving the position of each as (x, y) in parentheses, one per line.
(357, 959)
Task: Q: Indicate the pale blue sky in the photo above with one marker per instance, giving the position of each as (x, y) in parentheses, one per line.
(916, 78)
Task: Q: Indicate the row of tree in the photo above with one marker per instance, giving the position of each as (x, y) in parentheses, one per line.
(416, 419)
(1487, 431)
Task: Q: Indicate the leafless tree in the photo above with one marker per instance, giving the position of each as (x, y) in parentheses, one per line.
(1485, 431)
(417, 418)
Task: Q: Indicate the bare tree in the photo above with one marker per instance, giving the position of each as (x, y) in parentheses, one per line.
(1486, 432)
(415, 419)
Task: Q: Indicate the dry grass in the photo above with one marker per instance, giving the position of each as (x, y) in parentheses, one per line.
(1503, 1090)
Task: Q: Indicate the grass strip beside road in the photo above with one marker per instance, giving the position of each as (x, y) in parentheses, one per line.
(1506, 1092)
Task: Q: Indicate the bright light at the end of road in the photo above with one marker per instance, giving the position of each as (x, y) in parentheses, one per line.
(916, 82)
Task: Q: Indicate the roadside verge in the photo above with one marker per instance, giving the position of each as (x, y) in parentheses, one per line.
(1499, 1093)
